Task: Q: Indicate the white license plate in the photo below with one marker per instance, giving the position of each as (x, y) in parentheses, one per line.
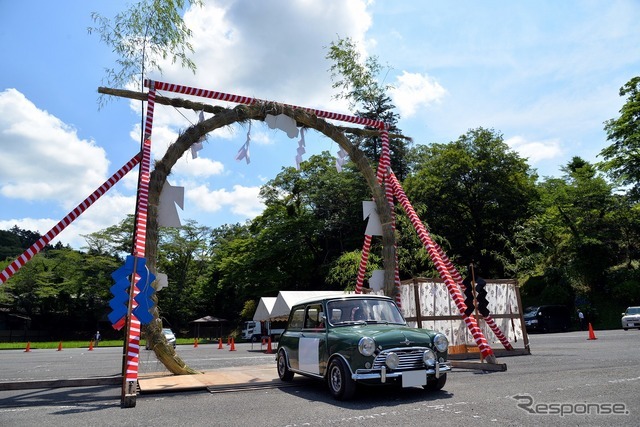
(632, 324)
(414, 378)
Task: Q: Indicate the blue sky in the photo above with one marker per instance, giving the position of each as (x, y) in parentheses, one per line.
(545, 74)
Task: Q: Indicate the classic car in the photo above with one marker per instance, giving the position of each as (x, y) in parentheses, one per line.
(351, 339)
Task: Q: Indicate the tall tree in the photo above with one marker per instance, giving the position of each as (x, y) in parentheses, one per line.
(358, 82)
(622, 157)
(580, 204)
(183, 254)
(141, 36)
(312, 216)
(476, 192)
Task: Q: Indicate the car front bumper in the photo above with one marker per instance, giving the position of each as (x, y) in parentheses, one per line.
(384, 374)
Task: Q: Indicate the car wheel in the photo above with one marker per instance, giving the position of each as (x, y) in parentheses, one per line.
(283, 370)
(436, 384)
(254, 339)
(626, 329)
(341, 385)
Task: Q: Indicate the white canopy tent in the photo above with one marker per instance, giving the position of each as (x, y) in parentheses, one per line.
(264, 309)
(287, 299)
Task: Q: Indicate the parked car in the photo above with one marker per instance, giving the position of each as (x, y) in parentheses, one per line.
(547, 318)
(168, 334)
(351, 339)
(631, 318)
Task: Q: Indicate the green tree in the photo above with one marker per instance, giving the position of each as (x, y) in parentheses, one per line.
(10, 245)
(116, 240)
(582, 202)
(314, 213)
(579, 240)
(183, 254)
(476, 192)
(622, 157)
(62, 290)
(232, 275)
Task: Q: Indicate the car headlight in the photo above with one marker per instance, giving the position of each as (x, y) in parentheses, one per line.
(441, 343)
(392, 361)
(366, 346)
(429, 357)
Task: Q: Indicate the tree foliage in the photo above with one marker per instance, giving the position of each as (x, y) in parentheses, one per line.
(622, 157)
(142, 36)
(358, 82)
(476, 192)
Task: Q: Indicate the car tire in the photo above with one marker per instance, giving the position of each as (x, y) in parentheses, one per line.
(436, 384)
(341, 385)
(283, 369)
(254, 339)
(626, 329)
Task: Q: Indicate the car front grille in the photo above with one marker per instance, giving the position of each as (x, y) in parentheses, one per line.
(410, 358)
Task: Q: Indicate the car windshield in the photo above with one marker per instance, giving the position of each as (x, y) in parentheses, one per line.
(530, 311)
(633, 310)
(356, 310)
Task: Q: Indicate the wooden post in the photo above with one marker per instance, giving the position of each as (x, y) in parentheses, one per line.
(416, 293)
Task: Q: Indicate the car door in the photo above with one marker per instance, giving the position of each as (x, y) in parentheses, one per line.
(290, 339)
(312, 348)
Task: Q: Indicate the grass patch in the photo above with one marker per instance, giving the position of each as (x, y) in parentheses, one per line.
(54, 345)
(85, 344)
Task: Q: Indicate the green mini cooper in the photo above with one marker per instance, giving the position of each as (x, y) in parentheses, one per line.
(351, 339)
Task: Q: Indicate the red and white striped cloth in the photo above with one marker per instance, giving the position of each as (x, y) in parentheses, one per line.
(238, 99)
(133, 344)
(441, 266)
(19, 262)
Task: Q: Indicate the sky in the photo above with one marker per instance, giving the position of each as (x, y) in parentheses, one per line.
(545, 74)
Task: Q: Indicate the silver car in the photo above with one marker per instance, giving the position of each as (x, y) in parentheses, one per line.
(631, 318)
(170, 336)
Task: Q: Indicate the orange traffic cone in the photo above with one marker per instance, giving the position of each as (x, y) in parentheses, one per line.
(233, 345)
(269, 349)
(91, 345)
(28, 347)
(195, 342)
(592, 336)
(219, 343)
(263, 342)
(60, 346)
(228, 340)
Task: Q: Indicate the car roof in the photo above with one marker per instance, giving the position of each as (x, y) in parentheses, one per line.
(339, 297)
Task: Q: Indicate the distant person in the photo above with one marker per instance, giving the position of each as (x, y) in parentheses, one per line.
(97, 338)
(581, 319)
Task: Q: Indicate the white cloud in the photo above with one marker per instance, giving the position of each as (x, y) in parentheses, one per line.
(535, 151)
(271, 50)
(241, 200)
(199, 167)
(414, 90)
(106, 211)
(43, 158)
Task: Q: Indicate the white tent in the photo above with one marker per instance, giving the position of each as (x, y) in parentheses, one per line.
(265, 306)
(287, 299)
